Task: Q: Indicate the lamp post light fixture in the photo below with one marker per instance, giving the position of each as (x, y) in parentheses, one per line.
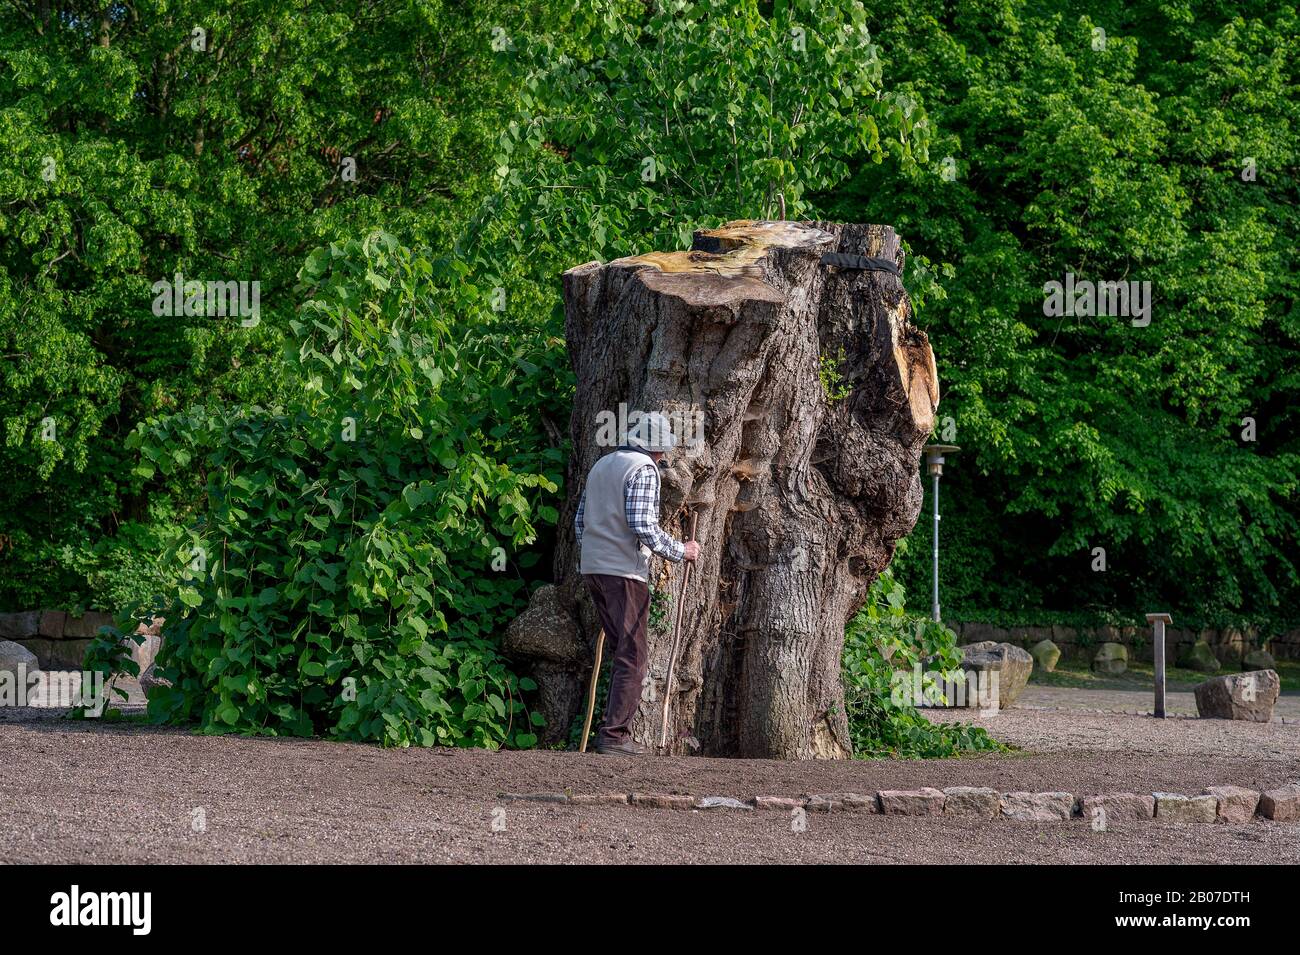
(934, 466)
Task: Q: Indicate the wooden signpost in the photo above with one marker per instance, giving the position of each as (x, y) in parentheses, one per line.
(1158, 621)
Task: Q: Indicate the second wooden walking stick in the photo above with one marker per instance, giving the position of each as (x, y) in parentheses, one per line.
(591, 691)
(677, 637)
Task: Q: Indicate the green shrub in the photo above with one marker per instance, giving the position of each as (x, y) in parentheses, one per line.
(883, 644)
(350, 569)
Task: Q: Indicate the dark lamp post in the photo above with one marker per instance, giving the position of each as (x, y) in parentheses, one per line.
(934, 467)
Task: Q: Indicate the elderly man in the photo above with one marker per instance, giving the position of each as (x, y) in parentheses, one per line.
(618, 529)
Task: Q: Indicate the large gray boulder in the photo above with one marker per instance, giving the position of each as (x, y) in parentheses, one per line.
(1200, 657)
(1239, 696)
(13, 657)
(1111, 659)
(1011, 664)
(1046, 655)
(545, 631)
(545, 641)
(1258, 660)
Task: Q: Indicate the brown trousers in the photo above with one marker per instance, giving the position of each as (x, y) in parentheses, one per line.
(624, 606)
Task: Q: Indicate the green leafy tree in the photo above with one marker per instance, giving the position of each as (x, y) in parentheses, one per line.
(141, 140)
(638, 123)
(1110, 145)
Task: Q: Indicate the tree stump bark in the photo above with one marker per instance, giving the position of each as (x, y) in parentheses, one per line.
(816, 395)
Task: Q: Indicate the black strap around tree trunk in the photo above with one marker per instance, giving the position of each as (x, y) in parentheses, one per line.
(845, 260)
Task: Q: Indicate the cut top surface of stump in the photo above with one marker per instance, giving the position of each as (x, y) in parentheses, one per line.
(735, 248)
(726, 264)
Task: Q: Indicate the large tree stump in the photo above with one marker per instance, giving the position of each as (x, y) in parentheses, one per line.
(801, 491)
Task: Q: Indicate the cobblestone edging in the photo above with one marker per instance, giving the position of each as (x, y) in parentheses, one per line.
(1223, 804)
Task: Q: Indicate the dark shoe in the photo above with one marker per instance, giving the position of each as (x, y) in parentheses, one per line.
(625, 748)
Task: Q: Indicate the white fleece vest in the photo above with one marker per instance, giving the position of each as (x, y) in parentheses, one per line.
(609, 546)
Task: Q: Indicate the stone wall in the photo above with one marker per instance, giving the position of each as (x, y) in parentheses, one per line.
(60, 639)
(1229, 644)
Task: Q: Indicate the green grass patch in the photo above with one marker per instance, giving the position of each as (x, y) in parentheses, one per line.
(1076, 674)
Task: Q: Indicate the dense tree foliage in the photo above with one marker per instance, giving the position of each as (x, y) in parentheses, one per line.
(141, 140)
(1146, 141)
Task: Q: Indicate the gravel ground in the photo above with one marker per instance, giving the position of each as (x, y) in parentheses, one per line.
(1270, 747)
(77, 791)
(1178, 702)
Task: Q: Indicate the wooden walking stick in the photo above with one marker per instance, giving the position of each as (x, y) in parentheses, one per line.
(591, 691)
(677, 637)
